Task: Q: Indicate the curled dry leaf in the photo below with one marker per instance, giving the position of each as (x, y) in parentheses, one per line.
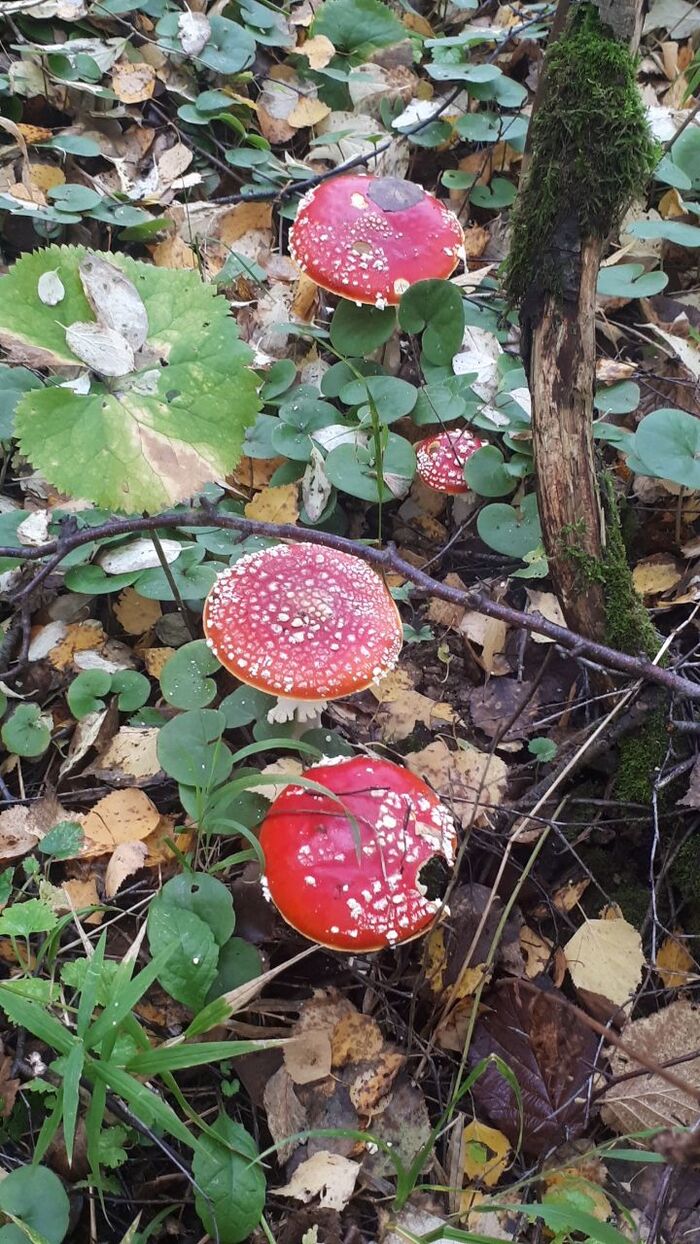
(674, 964)
(114, 299)
(401, 707)
(126, 860)
(102, 349)
(137, 555)
(50, 289)
(285, 1114)
(319, 51)
(308, 1058)
(328, 1176)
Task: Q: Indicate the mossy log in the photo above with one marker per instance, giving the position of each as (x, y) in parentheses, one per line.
(590, 153)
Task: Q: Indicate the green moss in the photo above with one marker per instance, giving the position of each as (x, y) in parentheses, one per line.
(640, 756)
(591, 152)
(628, 626)
(685, 870)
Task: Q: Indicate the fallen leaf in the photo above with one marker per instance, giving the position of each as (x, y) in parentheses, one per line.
(486, 1154)
(16, 836)
(325, 1175)
(656, 574)
(155, 660)
(126, 860)
(605, 957)
(122, 816)
(319, 51)
(82, 894)
(537, 952)
(551, 1054)
(401, 707)
(670, 1037)
(675, 965)
(137, 555)
(307, 112)
(67, 641)
(102, 349)
(355, 1037)
(285, 1114)
(129, 758)
(275, 505)
(136, 614)
(374, 1079)
(114, 299)
(133, 82)
(308, 1058)
(45, 176)
(174, 253)
(403, 1123)
(50, 289)
(194, 31)
(472, 782)
(547, 604)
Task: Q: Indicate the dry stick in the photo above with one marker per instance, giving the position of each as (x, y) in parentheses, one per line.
(387, 560)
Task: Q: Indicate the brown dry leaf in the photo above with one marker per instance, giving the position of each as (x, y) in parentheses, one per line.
(243, 219)
(305, 299)
(400, 707)
(319, 51)
(133, 82)
(476, 239)
(34, 133)
(9, 1086)
(122, 816)
(647, 1100)
(609, 371)
(275, 505)
(467, 778)
(675, 965)
(565, 898)
(441, 612)
(45, 176)
(671, 205)
(537, 951)
(159, 852)
(490, 634)
(307, 112)
(126, 860)
(280, 94)
(373, 1081)
(309, 1057)
(285, 1114)
(323, 1011)
(95, 730)
(136, 614)
(172, 252)
(547, 604)
(355, 1037)
(129, 758)
(656, 574)
(605, 957)
(77, 637)
(155, 659)
(328, 1176)
(16, 837)
(82, 894)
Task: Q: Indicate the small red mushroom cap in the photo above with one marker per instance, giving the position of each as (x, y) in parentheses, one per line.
(356, 885)
(440, 460)
(369, 238)
(303, 622)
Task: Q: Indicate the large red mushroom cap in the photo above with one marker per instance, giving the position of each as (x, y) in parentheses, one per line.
(440, 460)
(303, 622)
(369, 238)
(357, 885)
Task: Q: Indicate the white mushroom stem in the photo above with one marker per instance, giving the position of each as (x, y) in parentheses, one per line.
(307, 711)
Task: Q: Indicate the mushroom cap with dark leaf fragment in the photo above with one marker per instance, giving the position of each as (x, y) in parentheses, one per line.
(369, 238)
(440, 460)
(356, 875)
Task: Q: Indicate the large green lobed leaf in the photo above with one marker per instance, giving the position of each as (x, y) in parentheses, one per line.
(148, 439)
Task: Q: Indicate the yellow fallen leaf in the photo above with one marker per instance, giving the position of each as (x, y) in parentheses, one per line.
(129, 757)
(472, 781)
(45, 176)
(136, 614)
(34, 133)
(133, 82)
(78, 637)
(307, 112)
(674, 964)
(242, 219)
(158, 843)
(81, 894)
(655, 574)
(605, 957)
(122, 816)
(537, 951)
(486, 1153)
(671, 205)
(275, 505)
(401, 707)
(174, 253)
(155, 659)
(319, 51)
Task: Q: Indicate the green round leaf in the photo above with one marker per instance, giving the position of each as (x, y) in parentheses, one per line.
(359, 330)
(27, 732)
(499, 193)
(74, 198)
(205, 897)
(37, 1197)
(63, 842)
(194, 954)
(436, 309)
(174, 422)
(543, 749)
(352, 468)
(244, 705)
(131, 689)
(184, 681)
(668, 444)
(299, 417)
(239, 962)
(629, 280)
(227, 1174)
(618, 399)
(509, 531)
(671, 230)
(86, 692)
(193, 580)
(392, 398)
(92, 580)
(485, 473)
(191, 750)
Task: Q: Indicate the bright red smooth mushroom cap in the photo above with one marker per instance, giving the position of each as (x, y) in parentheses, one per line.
(303, 622)
(314, 875)
(440, 460)
(368, 238)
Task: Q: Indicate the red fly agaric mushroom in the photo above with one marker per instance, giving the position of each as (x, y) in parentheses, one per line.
(304, 623)
(440, 460)
(359, 874)
(369, 238)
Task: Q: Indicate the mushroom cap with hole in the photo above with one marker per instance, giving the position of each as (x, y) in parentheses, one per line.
(304, 622)
(440, 460)
(368, 238)
(355, 884)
